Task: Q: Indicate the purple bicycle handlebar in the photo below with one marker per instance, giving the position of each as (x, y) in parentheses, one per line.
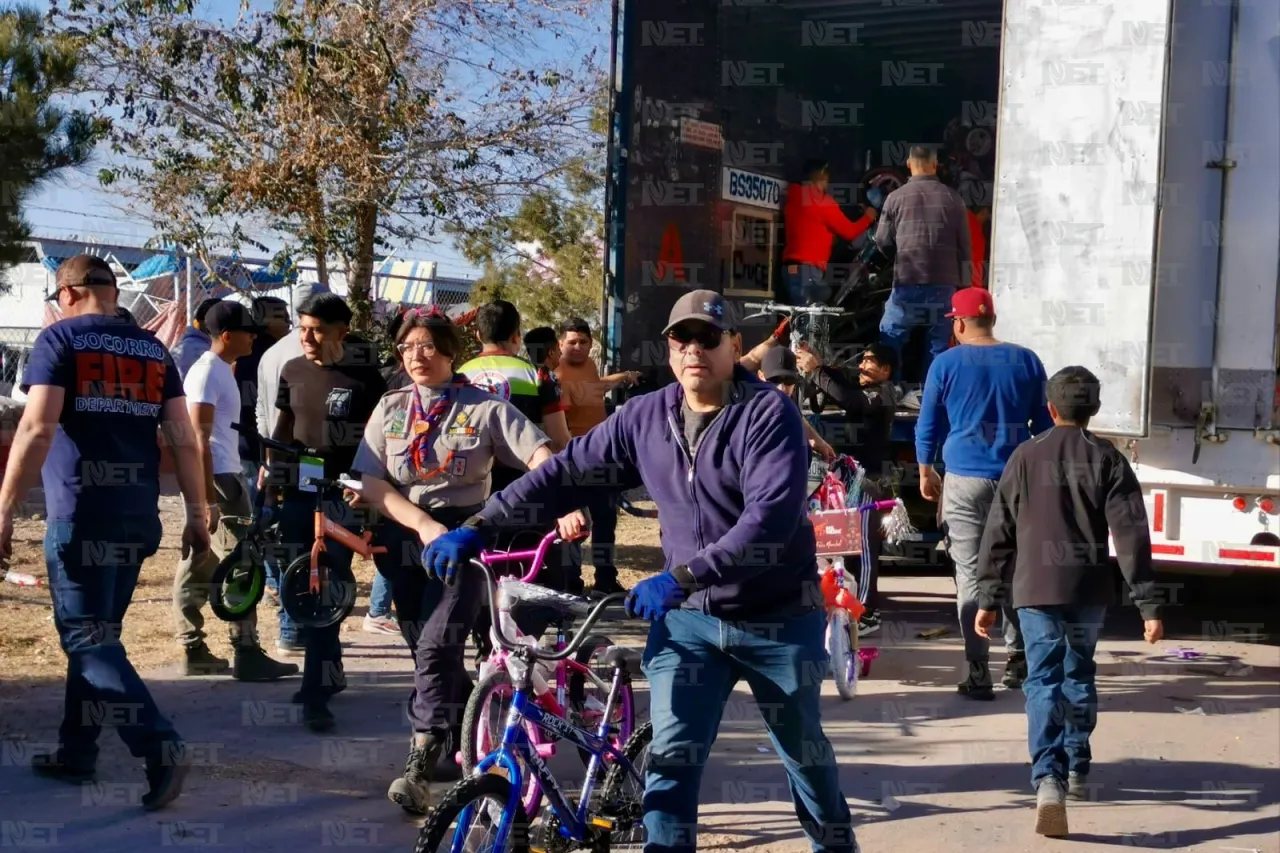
(538, 555)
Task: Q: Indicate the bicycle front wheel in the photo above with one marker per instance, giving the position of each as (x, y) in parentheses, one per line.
(237, 584)
(334, 602)
(483, 723)
(844, 660)
(472, 813)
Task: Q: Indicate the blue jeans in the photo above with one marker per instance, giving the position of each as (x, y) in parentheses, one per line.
(913, 306)
(1062, 698)
(802, 284)
(692, 662)
(93, 570)
(322, 660)
(380, 596)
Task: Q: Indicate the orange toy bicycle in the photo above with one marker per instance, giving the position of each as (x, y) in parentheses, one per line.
(309, 592)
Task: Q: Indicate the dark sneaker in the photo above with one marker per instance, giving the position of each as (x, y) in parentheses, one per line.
(317, 717)
(201, 661)
(59, 766)
(166, 771)
(1077, 786)
(290, 649)
(1015, 671)
(607, 586)
(412, 790)
(978, 684)
(252, 664)
(869, 623)
(1051, 808)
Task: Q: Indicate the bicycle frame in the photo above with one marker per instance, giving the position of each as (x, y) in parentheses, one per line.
(555, 704)
(326, 529)
(516, 746)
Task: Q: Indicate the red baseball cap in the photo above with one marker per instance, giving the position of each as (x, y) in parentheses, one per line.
(972, 302)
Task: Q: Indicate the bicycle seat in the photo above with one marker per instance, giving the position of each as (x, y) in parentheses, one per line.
(527, 596)
(623, 658)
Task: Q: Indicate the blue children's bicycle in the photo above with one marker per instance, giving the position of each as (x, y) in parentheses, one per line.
(484, 812)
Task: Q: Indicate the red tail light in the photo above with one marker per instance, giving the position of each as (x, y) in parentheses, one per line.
(1267, 505)
(1240, 503)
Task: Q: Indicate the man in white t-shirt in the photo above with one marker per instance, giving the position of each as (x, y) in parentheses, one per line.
(213, 399)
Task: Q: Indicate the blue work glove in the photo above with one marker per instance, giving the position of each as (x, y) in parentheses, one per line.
(448, 552)
(653, 597)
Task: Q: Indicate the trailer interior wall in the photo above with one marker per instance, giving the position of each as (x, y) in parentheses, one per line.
(781, 81)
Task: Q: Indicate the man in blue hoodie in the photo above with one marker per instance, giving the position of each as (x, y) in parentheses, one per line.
(725, 458)
(981, 400)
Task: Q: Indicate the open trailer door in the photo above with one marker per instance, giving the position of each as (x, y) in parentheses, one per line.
(1076, 211)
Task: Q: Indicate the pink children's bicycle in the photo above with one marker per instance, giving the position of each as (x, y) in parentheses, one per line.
(838, 529)
(576, 689)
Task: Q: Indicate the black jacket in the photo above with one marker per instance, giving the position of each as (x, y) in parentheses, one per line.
(868, 413)
(1046, 534)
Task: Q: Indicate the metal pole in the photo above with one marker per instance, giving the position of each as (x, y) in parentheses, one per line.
(189, 290)
(610, 148)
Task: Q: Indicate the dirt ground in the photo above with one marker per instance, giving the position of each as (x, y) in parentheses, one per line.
(29, 645)
(1186, 755)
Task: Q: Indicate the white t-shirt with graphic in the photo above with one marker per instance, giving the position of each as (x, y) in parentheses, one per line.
(210, 381)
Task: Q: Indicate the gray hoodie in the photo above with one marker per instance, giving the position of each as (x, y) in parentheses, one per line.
(193, 344)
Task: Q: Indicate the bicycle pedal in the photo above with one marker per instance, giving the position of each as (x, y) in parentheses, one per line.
(602, 823)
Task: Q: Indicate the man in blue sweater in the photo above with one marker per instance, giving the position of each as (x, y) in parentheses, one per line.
(981, 400)
(724, 457)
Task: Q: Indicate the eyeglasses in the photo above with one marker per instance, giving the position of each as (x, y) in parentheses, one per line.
(422, 349)
(705, 335)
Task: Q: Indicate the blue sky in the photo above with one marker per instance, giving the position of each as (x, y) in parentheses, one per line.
(75, 205)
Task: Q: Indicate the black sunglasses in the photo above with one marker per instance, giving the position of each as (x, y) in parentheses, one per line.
(706, 335)
(89, 281)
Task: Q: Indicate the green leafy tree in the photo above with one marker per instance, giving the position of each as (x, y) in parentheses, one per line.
(547, 257)
(38, 137)
(351, 126)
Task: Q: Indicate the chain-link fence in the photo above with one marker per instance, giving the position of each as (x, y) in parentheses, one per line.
(15, 346)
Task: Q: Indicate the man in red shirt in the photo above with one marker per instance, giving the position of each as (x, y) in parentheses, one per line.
(810, 219)
(978, 240)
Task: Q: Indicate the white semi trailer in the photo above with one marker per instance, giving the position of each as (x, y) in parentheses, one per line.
(1137, 233)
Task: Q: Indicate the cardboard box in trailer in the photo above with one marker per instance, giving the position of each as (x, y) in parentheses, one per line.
(1127, 151)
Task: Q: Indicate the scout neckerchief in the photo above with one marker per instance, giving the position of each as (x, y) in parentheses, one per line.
(421, 425)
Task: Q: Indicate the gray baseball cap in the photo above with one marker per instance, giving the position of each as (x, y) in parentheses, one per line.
(705, 305)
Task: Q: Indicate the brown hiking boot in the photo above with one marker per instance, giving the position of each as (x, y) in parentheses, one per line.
(411, 791)
(252, 664)
(201, 661)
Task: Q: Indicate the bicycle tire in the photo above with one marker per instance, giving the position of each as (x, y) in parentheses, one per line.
(486, 786)
(844, 660)
(578, 695)
(333, 605)
(614, 803)
(241, 571)
(471, 745)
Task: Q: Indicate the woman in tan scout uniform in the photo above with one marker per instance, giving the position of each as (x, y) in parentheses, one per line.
(425, 461)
